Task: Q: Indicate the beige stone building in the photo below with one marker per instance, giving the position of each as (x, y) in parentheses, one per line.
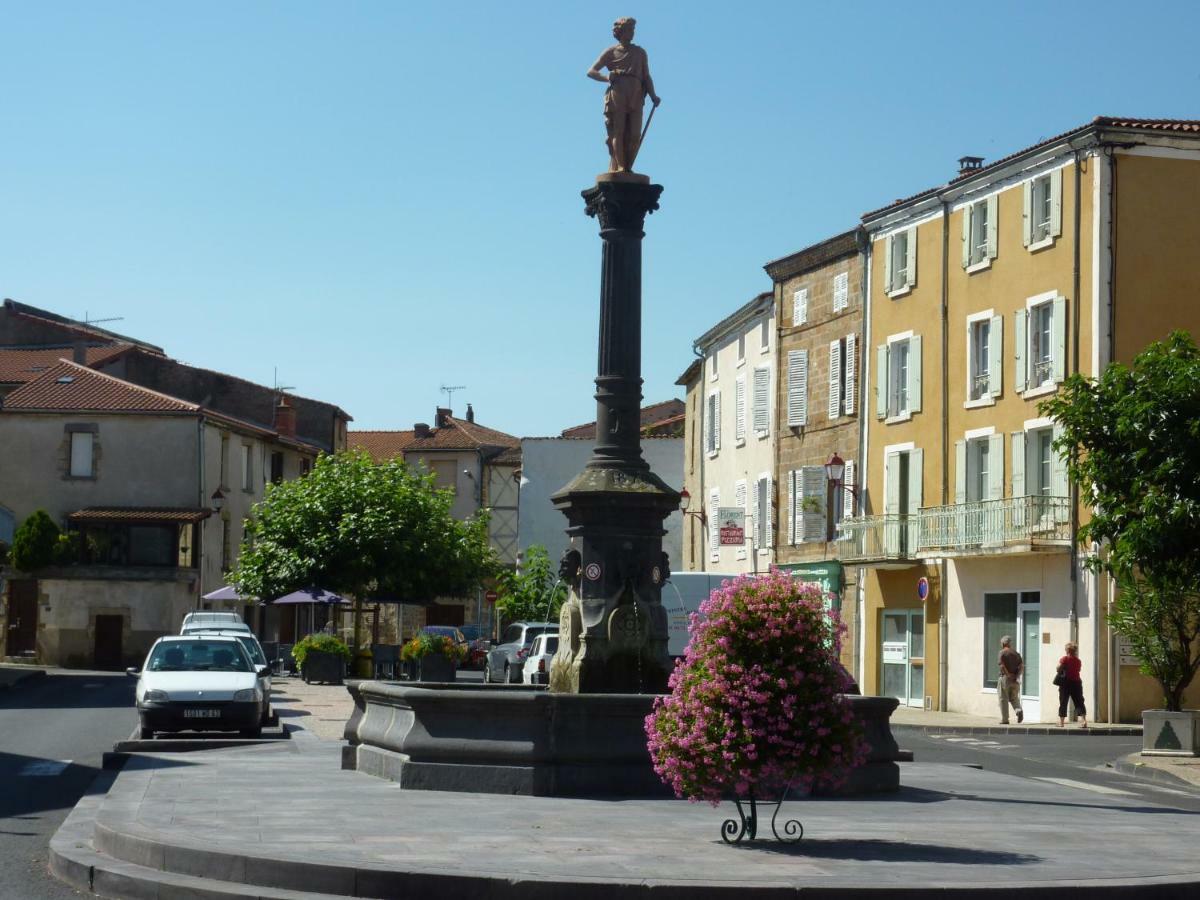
(818, 294)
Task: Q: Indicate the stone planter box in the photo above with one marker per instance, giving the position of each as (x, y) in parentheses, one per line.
(1170, 733)
(324, 667)
(436, 668)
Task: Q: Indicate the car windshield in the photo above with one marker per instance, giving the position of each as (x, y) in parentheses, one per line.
(550, 645)
(198, 656)
(531, 633)
(254, 649)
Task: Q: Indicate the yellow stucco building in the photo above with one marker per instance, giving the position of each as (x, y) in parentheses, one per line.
(984, 294)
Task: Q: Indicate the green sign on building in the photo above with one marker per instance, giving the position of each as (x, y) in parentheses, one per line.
(827, 575)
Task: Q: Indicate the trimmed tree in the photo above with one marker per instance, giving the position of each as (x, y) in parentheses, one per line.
(756, 703)
(534, 594)
(358, 527)
(36, 542)
(1130, 438)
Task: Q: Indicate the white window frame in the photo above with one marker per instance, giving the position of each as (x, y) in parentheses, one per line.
(247, 467)
(739, 411)
(764, 336)
(988, 398)
(1042, 190)
(740, 498)
(797, 388)
(713, 371)
(886, 380)
(712, 418)
(714, 525)
(761, 402)
(892, 266)
(979, 233)
(764, 490)
(741, 350)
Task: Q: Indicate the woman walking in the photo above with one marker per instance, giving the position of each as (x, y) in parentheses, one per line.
(1071, 687)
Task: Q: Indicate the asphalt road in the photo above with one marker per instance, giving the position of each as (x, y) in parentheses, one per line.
(53, 732)
(1074, 761)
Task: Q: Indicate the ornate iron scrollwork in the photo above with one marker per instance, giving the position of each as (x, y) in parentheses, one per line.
(733, 830)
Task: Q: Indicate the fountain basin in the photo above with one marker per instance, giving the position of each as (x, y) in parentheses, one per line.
(522, 740)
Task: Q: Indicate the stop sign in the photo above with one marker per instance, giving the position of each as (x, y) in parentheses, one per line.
(491, 596)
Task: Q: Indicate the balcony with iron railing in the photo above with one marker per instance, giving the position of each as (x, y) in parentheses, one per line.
(978, 528)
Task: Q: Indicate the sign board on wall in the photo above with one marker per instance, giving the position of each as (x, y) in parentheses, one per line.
(895, 652)
(827, 575)
(1125, 654)
(731, 520)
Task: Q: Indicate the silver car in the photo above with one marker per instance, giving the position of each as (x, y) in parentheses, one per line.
(506, 659)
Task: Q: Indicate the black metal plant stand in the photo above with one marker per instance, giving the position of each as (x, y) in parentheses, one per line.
(732, 832)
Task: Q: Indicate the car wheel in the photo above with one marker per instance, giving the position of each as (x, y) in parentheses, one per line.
(507, 674)
(487, 674)
(255, 732)
(145, 733)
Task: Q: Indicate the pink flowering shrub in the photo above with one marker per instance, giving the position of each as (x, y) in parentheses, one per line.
(756, 703)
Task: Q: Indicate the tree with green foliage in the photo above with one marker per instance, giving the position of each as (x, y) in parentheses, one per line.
(363, 528)
(36, 542)
(1132, 442)
(534, 594)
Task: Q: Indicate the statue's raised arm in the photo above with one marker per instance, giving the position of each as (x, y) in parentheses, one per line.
(629, 84)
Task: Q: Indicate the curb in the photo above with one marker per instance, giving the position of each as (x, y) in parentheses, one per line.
(1091, 730)
(1144, 772)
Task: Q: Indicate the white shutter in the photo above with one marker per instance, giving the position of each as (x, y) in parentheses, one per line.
(82, 443)
(996, 356)
(714, 524)
(967, 212)
(911, 273)
(960, 471)
(739, 408)
(1060, 338)
(739, 499)
(717, 421)
(915, 479)
(914, 373)
(797, 387)
(881, 380)
(767, 541)
(815, 492)
(762, 400)
(995, 485)
(848, 489)
(791, 507)
(851, 368)
(841, 291)
(887, 263)
(1027, 213)
(800, 307)
(891, 477)
(835, 379)
(1020, 350)
(1018, 464)
(1056, 202)
(993, 204)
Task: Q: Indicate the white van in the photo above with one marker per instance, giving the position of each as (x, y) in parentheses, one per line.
(682, 596)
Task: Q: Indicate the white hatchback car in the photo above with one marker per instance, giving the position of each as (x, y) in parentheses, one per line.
(257, 657)
(199, 683)
(537, 664)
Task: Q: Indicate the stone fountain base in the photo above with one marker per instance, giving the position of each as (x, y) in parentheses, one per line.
(521, 740)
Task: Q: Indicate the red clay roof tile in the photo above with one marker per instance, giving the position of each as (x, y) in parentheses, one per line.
(66, 386)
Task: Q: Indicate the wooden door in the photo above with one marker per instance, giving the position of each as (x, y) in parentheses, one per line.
(108, 641)
(22, 618)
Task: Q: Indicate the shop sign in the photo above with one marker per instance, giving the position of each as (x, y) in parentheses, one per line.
(732, 524)
(826, 575)
(895, 652)
(1125, 654)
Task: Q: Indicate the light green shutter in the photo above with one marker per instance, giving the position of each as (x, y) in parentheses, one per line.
(1060, 338)
(996, 356)
(960, 471)
(1056, 202)
(911, 273)
(1019, 350)
(891, 472)
(1018, 464)
(881, 380)
(995, 486)
(887, 263)
(915, 479)
(966, 235)
(914, 373)
(1059, 486)
(1027, 213)
(993, 207)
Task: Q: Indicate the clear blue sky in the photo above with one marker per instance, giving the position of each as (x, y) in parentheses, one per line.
(382, 198)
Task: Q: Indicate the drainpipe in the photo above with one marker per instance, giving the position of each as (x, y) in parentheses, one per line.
(860, 587)
(702, 402)
(943, 622)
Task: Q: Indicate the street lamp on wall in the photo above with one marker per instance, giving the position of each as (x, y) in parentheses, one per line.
(835, 474)
(685, 500)
(217, 501)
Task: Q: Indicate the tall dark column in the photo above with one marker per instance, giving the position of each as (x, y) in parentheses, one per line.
(613, 636)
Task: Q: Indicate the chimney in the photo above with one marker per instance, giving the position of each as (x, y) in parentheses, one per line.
(79, 353)
(470, 413)
(968, 165)
(285, 419)
(421, 430)
(442, 415)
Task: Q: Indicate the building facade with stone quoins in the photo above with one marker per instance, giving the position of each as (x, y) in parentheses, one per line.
(985, 293)
(818, 297)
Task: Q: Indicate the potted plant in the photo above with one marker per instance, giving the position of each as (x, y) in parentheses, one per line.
(436, 657)
(756, 707)
(322, 657)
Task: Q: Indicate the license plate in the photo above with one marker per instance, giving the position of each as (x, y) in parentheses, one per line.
(202, 714)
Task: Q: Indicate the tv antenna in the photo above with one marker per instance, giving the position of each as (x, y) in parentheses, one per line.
(449, 389)
(280, 388)
(88, 320)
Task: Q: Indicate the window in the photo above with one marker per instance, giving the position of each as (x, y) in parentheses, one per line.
(226, 561)
(1043, 210)
(841, 291)
(979, 468)
(1016, 615)
(276, 467)
(305, 466)
(763, 538)
(739, 410)
(712, 365)
(152, 545)
(898, 389)
(762, 401)
(712, 424)
(807, 491)
(903, 490)
(1040, 472)
(739, 500)
(1041, 349)
(800, 307)
(224, 479)
(445, 474)
(984, 359)
(900, 261)
(714, 522)
(842, 365)
(741, 345)
(187, 546)
(82, 446)
(247, 468)
(764, 335)
(797, 388)
(979, 233)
